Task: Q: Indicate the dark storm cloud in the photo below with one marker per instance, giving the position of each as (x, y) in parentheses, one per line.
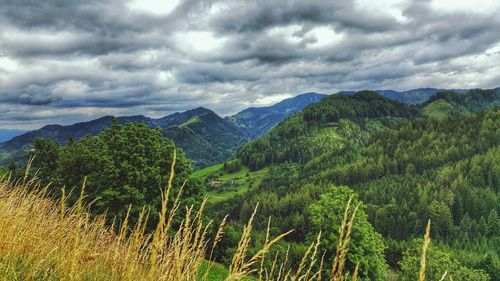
(30, 95)
(63, 61)
(256, 16)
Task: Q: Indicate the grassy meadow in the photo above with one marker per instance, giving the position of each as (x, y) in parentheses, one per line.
(244, 179)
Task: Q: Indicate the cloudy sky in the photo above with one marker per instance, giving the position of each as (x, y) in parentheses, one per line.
(63, 61)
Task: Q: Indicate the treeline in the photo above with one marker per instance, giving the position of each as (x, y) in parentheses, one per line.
(475, 100)
(314, 131)
(364, 104)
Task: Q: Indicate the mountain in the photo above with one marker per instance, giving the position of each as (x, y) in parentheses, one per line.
(314, 131)
(406, 166)
(256, 121)
(414, 96)
(62, 134)
(7, 134)
(205, 137)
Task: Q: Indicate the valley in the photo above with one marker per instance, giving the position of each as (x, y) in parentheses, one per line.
(401, 164)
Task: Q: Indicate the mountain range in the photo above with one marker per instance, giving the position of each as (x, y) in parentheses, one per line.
(206, 137)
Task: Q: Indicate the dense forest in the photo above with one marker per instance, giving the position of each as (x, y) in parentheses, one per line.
(405, 166)
(400, 164)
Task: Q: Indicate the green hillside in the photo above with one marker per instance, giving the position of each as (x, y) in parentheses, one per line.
(206, 138)
(405, 167)
(320, 128)
(474, 100)
(233, 182)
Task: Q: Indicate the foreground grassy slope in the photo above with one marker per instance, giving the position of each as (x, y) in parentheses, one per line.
(44, 240)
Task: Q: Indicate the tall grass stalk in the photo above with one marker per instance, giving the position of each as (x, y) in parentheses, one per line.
(427, 242)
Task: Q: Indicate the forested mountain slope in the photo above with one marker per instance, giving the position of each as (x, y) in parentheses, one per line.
(407, 167)
(314, 131)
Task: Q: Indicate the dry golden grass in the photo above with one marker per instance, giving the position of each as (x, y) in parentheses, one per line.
(45, 240)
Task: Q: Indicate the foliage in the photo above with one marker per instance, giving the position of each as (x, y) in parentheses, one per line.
(45, 240)
(41, 239)
(474, 100)
(367, 248)
(125, 165)
(364, 104)
(439, 261)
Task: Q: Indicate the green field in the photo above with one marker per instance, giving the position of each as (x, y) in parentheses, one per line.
(200, 174)
(244, 181)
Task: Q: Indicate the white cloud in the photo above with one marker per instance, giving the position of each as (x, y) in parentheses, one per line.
(70, 88)
(325, 36)
(156, 7)
(466, 6)
(198, 41)
(286, 33)
(393, 8)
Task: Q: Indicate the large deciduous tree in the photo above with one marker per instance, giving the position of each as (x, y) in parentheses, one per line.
(366, 247)
(125, 165)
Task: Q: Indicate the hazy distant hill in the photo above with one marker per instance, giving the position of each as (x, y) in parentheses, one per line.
(256, 121)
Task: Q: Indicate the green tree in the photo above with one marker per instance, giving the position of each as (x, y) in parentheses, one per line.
(125, 165)
(366, 247)
(46, 153)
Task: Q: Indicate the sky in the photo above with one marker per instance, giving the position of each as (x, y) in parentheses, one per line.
(64, 61)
